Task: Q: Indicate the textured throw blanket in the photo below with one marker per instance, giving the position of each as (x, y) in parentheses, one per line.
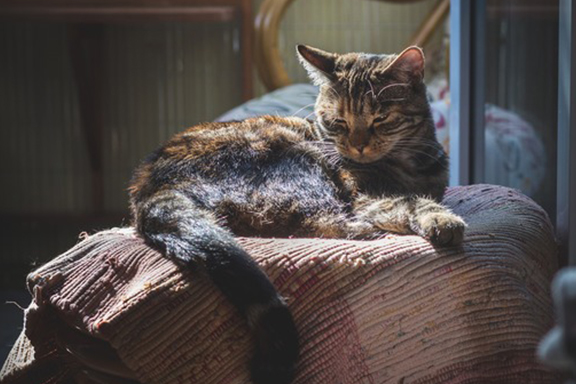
(395, 310)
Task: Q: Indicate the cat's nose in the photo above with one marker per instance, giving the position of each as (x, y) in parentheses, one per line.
(360, 148)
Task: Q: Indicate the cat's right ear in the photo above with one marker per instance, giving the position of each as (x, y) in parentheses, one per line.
(319, 64)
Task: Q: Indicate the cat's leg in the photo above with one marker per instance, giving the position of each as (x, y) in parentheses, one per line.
(436, 222)
(331, 225)
(171, 222)
(412, 214)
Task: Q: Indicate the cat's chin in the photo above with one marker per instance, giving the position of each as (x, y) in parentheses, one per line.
(364, 159)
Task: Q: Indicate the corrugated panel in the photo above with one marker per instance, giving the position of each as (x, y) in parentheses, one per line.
(160, 79)
(42, 166)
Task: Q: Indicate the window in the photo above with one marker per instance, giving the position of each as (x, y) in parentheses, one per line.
(511, 90)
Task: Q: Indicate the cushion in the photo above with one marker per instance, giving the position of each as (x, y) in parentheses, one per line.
(393, 310)
(294, 100)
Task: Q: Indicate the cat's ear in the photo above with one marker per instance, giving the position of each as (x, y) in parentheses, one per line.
(409, 64)
(319, 64)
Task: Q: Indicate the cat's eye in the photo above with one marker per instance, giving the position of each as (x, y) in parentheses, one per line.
(380, 119)
(336, 125)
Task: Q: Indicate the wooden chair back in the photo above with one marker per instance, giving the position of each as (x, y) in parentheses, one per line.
(268, 60)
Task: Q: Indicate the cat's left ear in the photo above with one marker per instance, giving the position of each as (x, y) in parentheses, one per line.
(409, 63)
(319, 64)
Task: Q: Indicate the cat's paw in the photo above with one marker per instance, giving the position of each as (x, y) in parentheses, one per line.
(441, 228)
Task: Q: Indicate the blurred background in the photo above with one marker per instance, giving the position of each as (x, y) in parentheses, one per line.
(157, 79)
(82, 103)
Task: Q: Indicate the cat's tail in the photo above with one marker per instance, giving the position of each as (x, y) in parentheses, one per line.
(172, 223)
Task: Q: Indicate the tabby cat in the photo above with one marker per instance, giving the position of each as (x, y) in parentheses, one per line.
(368, 165)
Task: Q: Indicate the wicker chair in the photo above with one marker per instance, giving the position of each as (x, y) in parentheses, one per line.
(267, 27)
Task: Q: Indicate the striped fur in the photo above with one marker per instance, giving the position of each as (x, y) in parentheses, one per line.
(369, 165)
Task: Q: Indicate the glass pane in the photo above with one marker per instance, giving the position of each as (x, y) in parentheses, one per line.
(521, 85)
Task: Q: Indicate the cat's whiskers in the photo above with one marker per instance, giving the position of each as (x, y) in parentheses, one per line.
(322, 142)
(334, 159)
(371, 90)
(303, 108)
(427, 142)
(332, 89)
(411, 150)
(329, 151)
(308, 115)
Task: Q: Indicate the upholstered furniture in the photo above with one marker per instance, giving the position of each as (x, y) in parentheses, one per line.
(395, 310)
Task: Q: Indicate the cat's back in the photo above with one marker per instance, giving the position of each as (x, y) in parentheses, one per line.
(265, 164)
(255, 136)
(221, 148)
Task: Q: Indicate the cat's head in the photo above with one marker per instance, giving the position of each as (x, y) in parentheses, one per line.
(371, 106)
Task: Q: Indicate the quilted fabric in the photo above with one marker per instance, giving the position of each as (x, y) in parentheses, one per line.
(394, 310)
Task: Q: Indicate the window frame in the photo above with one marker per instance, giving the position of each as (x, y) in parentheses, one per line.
(467, 82)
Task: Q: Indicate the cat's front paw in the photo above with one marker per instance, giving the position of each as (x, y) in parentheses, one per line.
(441, 228)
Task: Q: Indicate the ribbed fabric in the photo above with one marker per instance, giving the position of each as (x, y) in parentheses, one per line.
(395, 310)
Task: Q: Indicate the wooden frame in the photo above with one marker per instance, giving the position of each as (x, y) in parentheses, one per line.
(566, 159)
(124, 11)
(267, 57)
(121, 14)
(467, 92)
